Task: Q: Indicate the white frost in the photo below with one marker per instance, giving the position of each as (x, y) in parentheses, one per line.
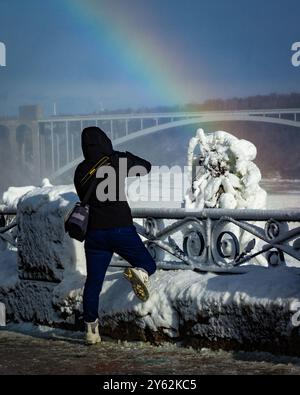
(225, 175)
(11, 197)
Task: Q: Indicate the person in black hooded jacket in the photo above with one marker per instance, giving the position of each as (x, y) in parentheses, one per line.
(110, 225)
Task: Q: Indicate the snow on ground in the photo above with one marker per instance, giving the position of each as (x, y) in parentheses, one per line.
(255, 308)
(180, 297)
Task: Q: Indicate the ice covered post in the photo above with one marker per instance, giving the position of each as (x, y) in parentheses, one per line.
(223, 175)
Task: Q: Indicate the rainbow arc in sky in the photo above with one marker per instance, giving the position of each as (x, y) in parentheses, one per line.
(141, 55)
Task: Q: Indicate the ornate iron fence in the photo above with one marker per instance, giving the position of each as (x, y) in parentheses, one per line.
(216, 240)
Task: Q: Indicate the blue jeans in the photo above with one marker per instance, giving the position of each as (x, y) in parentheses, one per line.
(99, 246)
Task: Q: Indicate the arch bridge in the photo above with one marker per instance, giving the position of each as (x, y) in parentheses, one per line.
(51, 147)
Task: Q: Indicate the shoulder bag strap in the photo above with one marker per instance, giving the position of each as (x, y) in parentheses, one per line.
(93, 183)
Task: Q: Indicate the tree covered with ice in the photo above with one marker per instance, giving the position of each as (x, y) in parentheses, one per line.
(223, 174)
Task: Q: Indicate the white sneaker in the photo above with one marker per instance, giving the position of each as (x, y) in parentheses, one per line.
(139, 279)
(92, 333)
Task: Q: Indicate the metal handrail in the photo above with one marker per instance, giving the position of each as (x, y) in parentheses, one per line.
(208, 223)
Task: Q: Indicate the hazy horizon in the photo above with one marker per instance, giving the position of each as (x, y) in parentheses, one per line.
(256, 102)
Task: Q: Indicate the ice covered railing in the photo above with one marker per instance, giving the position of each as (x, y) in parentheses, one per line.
(208, 245)
(193, 240)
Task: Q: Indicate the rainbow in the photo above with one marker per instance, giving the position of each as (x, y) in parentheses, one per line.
(142, 56)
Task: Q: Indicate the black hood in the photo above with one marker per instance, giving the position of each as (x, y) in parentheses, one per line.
(94, 143)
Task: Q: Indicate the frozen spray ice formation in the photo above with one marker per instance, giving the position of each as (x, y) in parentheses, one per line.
(223, 175)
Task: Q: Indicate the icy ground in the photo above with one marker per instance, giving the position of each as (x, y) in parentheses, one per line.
(43, 350)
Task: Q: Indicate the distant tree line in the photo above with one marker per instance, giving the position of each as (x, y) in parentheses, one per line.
(273, 100)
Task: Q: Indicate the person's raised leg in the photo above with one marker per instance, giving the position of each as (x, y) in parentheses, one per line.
(128, 244)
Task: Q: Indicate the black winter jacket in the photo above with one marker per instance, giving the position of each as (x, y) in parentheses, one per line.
(105, 214)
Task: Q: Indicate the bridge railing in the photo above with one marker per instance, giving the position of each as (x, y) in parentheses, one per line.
(170, 114)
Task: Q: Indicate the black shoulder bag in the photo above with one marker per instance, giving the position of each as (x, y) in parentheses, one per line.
(76, 221)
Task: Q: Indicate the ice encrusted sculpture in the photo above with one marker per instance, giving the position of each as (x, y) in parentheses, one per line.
(223, 174)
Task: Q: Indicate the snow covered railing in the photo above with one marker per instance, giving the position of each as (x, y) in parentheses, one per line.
(220, 239)
(210, 240)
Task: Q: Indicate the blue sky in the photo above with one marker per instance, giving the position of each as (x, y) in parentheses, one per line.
(212, 48)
